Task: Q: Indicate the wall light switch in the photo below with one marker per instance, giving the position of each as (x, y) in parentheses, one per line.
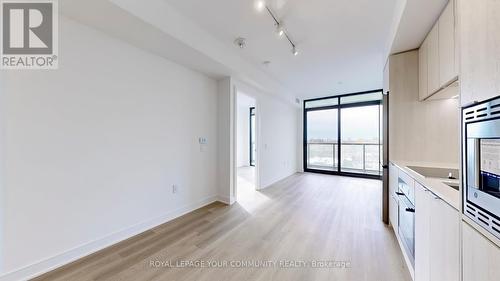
(203, 140)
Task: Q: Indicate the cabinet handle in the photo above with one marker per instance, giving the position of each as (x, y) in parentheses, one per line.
(411, 210)
(399, 193)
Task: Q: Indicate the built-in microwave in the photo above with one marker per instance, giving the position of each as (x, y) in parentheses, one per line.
(481, 162)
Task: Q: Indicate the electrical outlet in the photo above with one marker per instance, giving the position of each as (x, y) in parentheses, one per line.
(175, 189)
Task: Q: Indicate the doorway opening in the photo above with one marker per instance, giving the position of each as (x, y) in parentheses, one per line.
(246, 147)
(252, 136)
(344, 135)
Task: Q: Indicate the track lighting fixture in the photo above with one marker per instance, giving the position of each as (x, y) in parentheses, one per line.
(260, 5)
(280, 30)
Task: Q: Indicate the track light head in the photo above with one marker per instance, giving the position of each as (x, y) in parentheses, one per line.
(260, 5)
(295, 51)
(280, 30)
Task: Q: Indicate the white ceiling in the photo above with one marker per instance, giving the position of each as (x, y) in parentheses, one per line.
(341, 42)
(417, 19)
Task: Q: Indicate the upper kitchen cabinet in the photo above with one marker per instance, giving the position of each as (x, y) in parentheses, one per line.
(479, 35)
(437, 59)
(433, 61)
(447, 66)
(423, 91)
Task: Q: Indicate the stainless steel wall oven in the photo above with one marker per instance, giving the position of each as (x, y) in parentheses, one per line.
(481, 162)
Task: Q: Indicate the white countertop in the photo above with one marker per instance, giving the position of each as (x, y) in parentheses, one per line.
(436, 186)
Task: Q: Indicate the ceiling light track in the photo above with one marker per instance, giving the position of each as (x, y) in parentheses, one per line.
(279, 26)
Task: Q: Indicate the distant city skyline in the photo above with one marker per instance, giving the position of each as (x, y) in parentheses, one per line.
(358, 124)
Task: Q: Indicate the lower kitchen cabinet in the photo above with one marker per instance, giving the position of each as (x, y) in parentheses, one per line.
(437, 244)
(393, 212)
(422, 233)
(444, 240)
(481, 258)
(393, 202)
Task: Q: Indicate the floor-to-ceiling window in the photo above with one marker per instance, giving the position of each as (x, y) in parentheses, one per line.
(354, 122)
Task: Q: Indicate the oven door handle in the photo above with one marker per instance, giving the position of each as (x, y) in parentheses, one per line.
(411, 210)
(399, 193)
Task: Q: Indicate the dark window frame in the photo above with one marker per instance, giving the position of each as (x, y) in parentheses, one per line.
(339, 134)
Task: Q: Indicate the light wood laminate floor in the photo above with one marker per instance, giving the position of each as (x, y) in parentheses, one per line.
(306, 217)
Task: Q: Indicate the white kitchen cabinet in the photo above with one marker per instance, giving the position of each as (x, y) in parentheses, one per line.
(423, 199)
(437, 244)
(393, 213)
(423, 90)
(437, 55)
(444, 241)
(446, 23)
(393, 178)
(480, 256)
(433, 81)
(479, 35)
(393, 201)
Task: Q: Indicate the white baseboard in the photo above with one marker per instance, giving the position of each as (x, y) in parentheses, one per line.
(224, 199)
(278, 179)
(78, 252)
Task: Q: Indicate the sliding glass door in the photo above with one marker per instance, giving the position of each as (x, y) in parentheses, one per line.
(354, 122)
(360, 145)
(322, 139)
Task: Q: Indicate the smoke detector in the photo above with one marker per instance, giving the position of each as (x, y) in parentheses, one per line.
(240, 42)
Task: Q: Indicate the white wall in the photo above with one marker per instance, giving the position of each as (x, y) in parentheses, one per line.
(91, 150)
(225, 135)
(243, 131)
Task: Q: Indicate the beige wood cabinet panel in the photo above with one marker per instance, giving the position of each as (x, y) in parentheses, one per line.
(423, 90)
(481, 258)
(433, 81)
(479, 35)
(447, 69)
(444, 242)
(423, 201)
(422, 126)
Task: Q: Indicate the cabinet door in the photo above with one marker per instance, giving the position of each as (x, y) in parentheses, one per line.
(393, 178)
(423, 91)
(444, 242)
(480, 256)
(393, 201)
(423, 201)
(433, 60)
(479, 35)
(393, 213)
(447, 69)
